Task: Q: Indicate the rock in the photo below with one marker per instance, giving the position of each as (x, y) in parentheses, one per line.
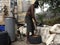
(57, 39)
(23, 30)
(55, 28)
(43, 44)
(50, 39)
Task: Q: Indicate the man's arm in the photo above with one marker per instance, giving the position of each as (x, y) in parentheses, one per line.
(32, 12)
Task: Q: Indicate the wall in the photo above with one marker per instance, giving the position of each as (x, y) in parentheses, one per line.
(21, 14)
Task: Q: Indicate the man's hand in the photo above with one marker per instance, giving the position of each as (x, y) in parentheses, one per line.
(36, 23)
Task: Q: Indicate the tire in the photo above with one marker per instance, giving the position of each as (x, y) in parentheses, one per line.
(4, 38)
(35, 39)
(9, 40)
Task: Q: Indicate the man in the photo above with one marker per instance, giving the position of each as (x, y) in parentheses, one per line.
(30, 17)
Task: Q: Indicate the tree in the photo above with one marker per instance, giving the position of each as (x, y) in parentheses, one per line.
(54, 8)
(5, 10)
(54, 5)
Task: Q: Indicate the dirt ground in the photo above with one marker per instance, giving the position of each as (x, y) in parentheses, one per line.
(23, 42)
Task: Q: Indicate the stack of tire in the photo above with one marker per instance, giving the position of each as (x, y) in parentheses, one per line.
(35, 39)
(4, 38)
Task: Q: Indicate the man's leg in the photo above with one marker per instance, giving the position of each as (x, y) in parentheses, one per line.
(27, 36)
(32, 32)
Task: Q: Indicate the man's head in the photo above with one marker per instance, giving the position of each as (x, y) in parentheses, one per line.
(36, 4)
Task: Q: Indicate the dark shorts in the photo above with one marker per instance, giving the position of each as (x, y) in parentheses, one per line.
(30, 24)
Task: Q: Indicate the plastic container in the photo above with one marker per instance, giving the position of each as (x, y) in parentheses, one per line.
(2, 27)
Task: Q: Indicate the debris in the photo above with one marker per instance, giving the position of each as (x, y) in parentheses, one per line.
(55, 28)
(50, 39)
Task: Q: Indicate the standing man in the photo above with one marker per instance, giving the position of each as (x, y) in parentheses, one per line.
(29, 16)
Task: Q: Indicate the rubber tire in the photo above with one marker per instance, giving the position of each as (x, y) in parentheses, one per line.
(35, 40)
(4, 38)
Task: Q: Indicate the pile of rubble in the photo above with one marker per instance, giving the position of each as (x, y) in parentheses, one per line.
(49, 34)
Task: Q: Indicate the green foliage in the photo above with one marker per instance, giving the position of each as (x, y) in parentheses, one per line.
(58, 10)
(54, 8)
(40, 16)
(52, 21)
